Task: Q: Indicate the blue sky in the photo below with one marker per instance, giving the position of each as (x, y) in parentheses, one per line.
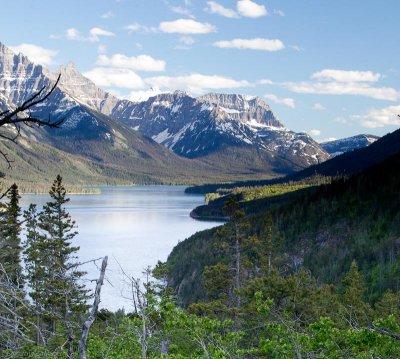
(329, 68)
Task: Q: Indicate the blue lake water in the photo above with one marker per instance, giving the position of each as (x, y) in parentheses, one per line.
(134, 226)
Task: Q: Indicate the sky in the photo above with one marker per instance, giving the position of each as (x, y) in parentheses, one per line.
(328, 68)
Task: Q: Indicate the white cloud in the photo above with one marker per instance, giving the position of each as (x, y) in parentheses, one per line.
(318, 107)
(36, 54)
(108, 15)
(380, 117)
(248, 8)
(196, 83)
(279, 13)
(73, 34)
(102, 49)
(252, 44)
(55, 37)
(315, 132)
(186, 26)
(110, 77)
(137, 96)
(295, 47)
(181, 10)
(265, 82)
(214, 8)
(136, 63)
(329, 139)
(94, 34)
(134, 27)
(344, 88)
(346, 76)
(289, 102)
(187, 40)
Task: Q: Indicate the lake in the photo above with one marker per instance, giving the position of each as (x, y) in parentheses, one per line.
(135, 226)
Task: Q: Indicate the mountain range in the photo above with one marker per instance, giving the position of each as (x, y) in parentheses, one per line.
(170, 138)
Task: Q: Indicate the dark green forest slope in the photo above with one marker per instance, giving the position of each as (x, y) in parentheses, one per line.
(344, 165)
(322, 229)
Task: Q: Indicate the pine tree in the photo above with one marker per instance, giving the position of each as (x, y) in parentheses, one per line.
(231, 208)
(35, 258)
(52, 262)
(356, 310)
(11, 280)
(10, 251)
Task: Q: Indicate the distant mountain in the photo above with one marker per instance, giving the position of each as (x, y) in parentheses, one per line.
(113, 151)
(211, 124)
(84, 91)
(338, 147)
(204, 127)
(216, 137)
(355, 161)
(345, 164)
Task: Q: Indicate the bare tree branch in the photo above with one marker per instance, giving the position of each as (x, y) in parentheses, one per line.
(93, 312)
(19, 116)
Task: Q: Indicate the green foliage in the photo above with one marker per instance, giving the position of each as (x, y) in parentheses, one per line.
(51, 266)
(321, 228)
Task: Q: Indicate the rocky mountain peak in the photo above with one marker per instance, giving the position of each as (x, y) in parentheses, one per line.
(4, 50)
(246, 109)
(83, 90)
(337, 147)
(237, 101)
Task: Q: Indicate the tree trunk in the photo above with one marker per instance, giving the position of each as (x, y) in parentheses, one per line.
(144, 338)
(93, 312)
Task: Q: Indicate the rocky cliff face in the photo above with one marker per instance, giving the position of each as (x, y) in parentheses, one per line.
(85, 91)
(195, 127)
(246, 109)
(337, 147)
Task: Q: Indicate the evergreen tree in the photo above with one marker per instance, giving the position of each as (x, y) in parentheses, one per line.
(52, 261)
(10, 251)
(11, 279)
(35, 258)
(356, 310)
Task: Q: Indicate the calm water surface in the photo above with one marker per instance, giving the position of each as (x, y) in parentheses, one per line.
(134, 226)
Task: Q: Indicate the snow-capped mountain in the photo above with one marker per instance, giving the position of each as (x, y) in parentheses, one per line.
(195, 127)
(85, 91)
(337, 147)
(231, 135)
(101, 147)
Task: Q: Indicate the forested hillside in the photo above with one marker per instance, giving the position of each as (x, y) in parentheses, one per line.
(343, 165)
(319, 228)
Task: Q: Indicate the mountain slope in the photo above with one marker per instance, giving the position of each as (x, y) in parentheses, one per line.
(337, 147)
(199, 127)
(205, 127)
(345, 164)
(85, 91)
(104, 143)
(322, 229)
(355, 161)
(224, 137)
